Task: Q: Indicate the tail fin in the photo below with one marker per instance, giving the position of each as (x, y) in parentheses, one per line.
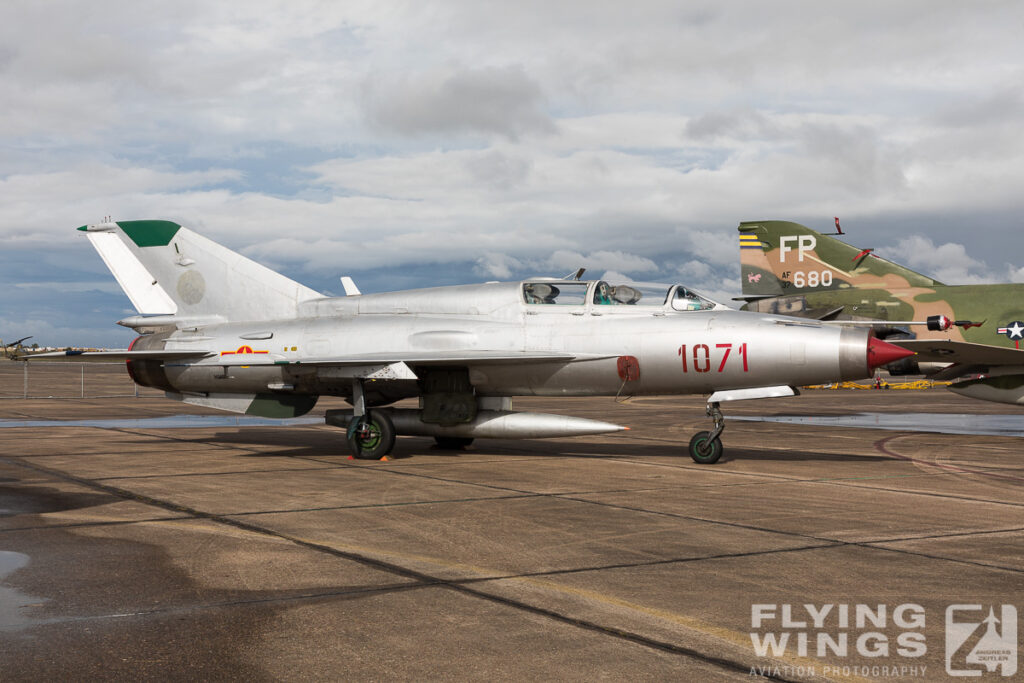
(167, 269)
(784, 258)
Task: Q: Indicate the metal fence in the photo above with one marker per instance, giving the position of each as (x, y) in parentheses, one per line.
(67, 380)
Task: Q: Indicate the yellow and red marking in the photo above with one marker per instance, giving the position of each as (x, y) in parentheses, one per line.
(243, 349)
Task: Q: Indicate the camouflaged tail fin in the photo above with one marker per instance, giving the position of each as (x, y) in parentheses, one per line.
(785, 258)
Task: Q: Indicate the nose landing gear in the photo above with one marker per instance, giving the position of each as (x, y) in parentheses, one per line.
(706, 447)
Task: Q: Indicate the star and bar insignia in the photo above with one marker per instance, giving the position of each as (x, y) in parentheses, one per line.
(1014, 330)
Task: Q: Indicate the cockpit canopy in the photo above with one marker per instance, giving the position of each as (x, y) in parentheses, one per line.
(633, 294)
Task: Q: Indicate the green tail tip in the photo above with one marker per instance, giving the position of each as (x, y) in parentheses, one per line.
(84, 228)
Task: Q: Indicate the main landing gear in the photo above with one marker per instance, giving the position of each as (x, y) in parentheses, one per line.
(371, 434)
(706, 447)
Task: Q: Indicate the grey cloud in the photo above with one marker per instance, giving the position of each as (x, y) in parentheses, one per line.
(499, 171)
(502, 101)
(713, 246)
(53, 43)
(842, 153)
(1004, 106)
(743, 125)
(855, 157)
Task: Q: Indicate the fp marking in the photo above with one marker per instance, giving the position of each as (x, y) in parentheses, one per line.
(804, 243)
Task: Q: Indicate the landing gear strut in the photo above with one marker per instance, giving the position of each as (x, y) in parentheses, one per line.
(706, 447)
(371, 434)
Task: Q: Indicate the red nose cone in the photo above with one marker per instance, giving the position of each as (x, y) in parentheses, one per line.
(882, 352)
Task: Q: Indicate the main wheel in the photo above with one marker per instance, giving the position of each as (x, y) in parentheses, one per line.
(704, 451)
(452, 443)
(372, 436)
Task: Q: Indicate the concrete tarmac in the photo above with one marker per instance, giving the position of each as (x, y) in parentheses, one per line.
(264, 553)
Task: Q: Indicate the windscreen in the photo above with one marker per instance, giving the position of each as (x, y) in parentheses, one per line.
(687, 300)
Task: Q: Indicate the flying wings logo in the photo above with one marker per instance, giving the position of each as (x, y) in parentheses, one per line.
(976, 643)
(980, 641)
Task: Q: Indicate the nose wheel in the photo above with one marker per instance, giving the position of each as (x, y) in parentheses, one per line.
(706, 447)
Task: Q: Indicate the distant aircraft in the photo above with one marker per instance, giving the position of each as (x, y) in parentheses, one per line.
(15, 348)
(222, 331)
(975, 331)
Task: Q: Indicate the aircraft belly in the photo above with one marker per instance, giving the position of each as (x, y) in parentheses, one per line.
(227, 379)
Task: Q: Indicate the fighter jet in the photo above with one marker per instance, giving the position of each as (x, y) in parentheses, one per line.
(219, 330)
(973, 334)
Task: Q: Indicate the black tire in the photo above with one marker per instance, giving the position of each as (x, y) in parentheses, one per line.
(703, 451)
(371, 437)
(452, 443)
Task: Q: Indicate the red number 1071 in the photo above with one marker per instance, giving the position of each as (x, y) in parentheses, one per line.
(700, 357)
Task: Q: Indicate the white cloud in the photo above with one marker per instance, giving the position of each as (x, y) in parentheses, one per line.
(504, 101)
(570, 261)
(339, 137)
(497, 266)
(695, 271)
(948, 263)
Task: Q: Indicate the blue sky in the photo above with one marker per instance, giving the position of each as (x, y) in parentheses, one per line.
(416, 143)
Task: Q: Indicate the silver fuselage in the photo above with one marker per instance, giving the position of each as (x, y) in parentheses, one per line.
(676, 352)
